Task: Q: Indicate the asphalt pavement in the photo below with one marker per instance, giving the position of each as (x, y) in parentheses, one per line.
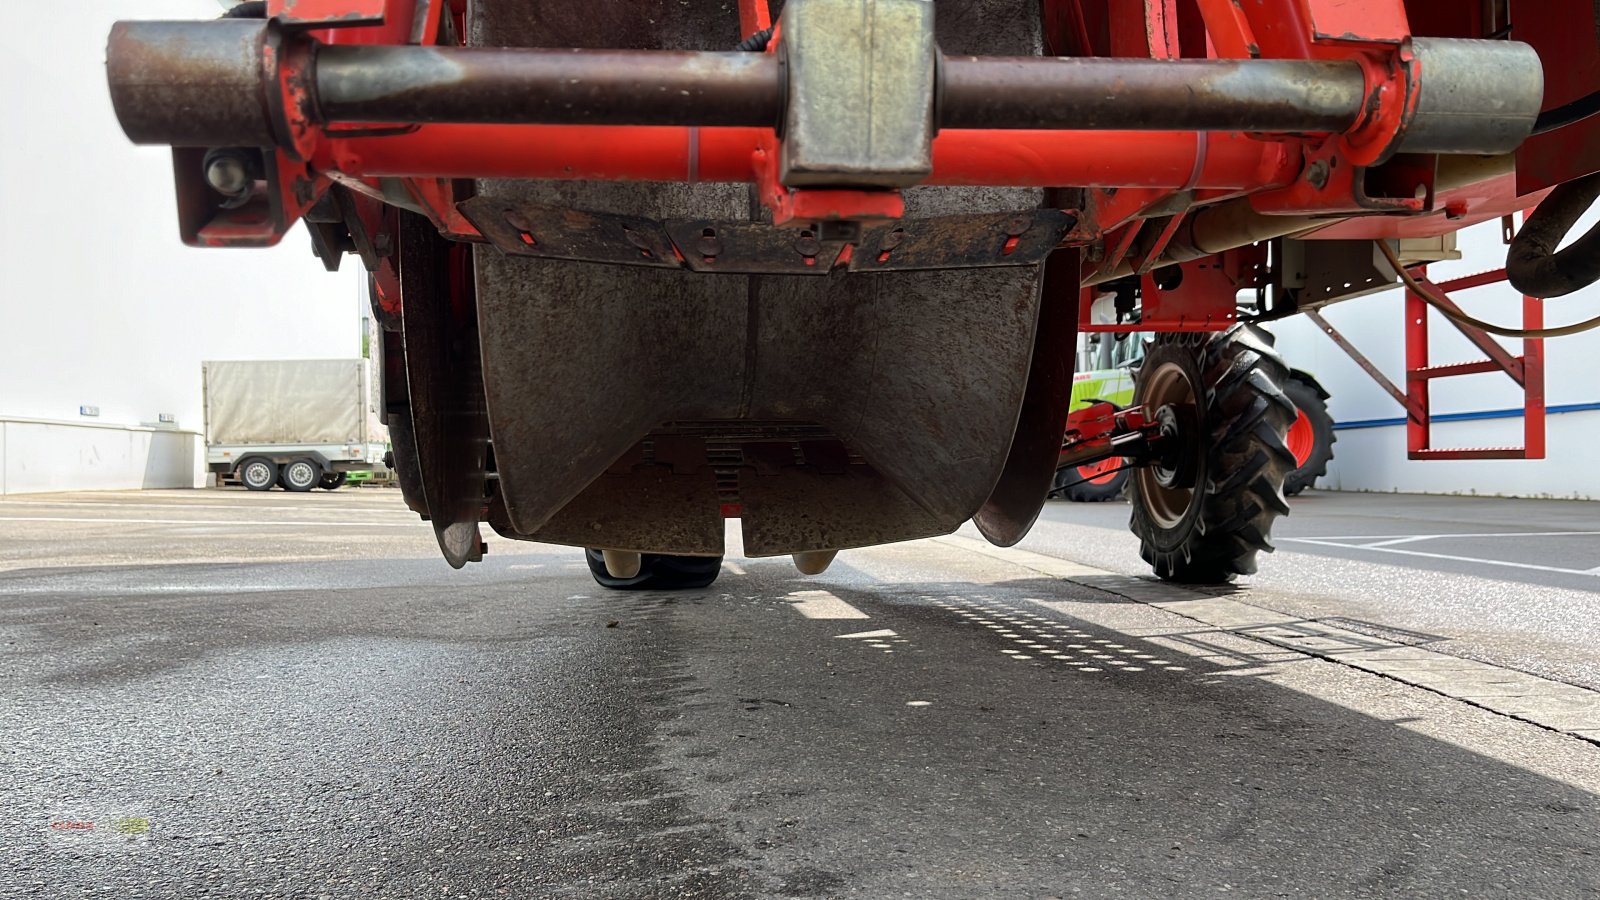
(1510, 582)
(224, 694)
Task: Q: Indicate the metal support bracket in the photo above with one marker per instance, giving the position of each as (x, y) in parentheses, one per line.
(987, 240)
(1526, 370)
(861, 77)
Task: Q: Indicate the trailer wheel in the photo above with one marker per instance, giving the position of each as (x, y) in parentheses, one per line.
(1311, 434)
(658, 572)
(258, 474)
(1205, 510)
(1094, 482)
(332, 481)
(300, 475)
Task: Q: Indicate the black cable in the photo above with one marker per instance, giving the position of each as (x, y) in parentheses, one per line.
(1570, 114)
(757, 43)
(1459, 316)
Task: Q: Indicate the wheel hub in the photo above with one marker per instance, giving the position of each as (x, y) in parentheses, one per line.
(1178, 462)
(1168, 483)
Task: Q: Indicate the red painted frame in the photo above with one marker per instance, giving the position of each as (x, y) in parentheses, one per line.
(1130, 182)
(1127, 185)
(1526, 370)
(1164, 166)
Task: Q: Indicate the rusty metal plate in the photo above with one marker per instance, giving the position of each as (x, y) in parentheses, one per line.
(1021, 238)
(649, 507)
(1012, 507)
(919, 374)
(806, 510)
(326, 13)
(444, 385)
(742, 247)
(552, 232)
(396, 405)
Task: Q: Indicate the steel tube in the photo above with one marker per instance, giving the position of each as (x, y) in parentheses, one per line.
(191, 85)
(649, 87)
(567, 87)
(646, 87)
(976, 158)
(218, 83)
(1146, 94)
(1474, 96)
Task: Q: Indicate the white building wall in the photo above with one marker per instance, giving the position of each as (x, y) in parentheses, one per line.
(1374, 459)
(100, 303)
(38, 456)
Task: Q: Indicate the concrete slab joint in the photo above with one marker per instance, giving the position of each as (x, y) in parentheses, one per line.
(1549, 704)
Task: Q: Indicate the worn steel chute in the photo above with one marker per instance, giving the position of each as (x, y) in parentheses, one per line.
(633, 406)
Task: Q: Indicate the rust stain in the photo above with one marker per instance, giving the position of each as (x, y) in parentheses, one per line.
(350, 12)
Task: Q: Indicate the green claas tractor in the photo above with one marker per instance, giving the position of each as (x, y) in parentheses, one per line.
(1106, 374)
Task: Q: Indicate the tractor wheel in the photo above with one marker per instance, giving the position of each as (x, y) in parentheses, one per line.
(333, 481)
(1310, 436)
(300, 475)
(1094, 482)
(258, 474)
(1205, 509)
(658, 572)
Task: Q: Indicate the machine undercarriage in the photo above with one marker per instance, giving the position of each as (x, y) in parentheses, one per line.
(821, 266)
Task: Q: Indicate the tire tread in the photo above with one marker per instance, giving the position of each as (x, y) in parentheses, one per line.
(1247, 461)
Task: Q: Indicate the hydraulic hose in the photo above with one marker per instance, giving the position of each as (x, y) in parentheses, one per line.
(1535, 266)
(1474, 322)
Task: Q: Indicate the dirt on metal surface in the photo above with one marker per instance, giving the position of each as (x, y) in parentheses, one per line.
(914, 379)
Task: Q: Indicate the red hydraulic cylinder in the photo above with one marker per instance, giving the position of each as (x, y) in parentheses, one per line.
(1155, 159)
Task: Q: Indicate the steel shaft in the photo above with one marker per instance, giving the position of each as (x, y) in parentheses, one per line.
(218, 83)
(570, 87)
(1098, 94)
(640, 87)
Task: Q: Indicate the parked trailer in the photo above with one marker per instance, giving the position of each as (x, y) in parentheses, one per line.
(297, 424)
(838, 296)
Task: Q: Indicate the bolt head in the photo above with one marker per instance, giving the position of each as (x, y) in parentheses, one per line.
(1318, 174)
(228, 175)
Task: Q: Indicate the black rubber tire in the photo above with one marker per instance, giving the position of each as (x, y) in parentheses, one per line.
(1240, 461)
(1070, 485)
(658, 572)
(257, 474)
(249, 9)
(1309, 400)
(332, 481)
(300, 475)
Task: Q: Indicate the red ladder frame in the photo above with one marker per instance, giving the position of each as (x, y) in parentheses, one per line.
(1526, 370)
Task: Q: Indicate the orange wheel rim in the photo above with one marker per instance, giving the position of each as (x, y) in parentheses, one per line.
(1101, 472)
(1302, 438)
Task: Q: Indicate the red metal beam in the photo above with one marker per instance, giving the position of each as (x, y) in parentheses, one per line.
(754, 16)
(1527, 370)
(1533, 415)
(1491, 348)
(1414, 411)
(670, 153)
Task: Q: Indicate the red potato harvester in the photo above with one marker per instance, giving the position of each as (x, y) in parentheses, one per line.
(821, 266)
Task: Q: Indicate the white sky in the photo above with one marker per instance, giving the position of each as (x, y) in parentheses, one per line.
(100, 302)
